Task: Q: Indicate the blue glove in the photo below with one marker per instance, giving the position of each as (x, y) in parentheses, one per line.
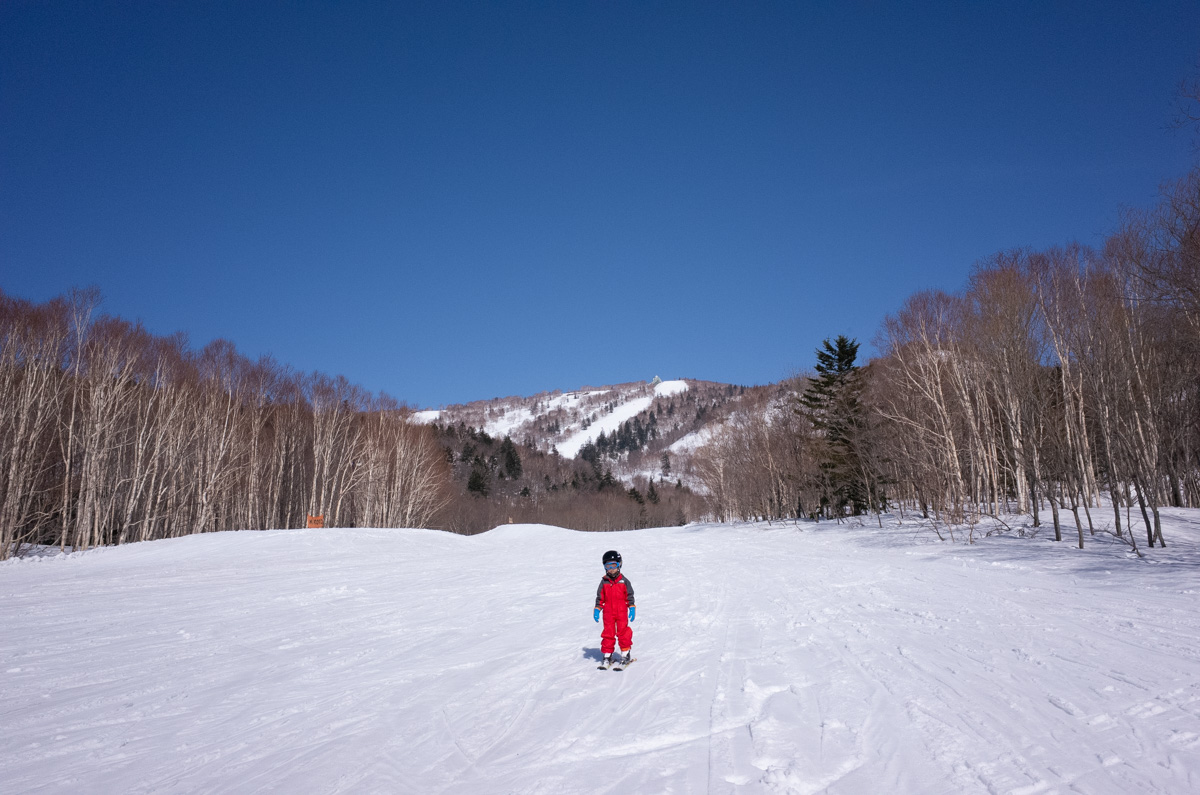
(596, 615)
(632, 610)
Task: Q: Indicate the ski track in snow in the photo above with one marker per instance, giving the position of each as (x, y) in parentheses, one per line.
(771, 659)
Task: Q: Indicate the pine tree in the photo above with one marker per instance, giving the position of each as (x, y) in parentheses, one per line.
(832, 404)
(478, 482)
(590, 453)
(510, 458)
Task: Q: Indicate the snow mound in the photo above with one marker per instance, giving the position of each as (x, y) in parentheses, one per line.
(526, 532)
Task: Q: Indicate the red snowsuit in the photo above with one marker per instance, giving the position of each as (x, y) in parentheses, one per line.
(615, 597)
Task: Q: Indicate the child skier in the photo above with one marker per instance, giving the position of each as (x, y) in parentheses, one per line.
(614, 598)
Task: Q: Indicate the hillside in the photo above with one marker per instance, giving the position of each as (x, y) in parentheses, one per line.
(674, 417)
(786, 658)
(614, 457)
(565, 421)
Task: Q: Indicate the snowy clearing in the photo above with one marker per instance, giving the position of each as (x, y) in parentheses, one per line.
(770, 659)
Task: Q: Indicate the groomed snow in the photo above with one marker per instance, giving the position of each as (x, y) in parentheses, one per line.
(771, 659)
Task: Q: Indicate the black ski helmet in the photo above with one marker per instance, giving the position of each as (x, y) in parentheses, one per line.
(612, 556)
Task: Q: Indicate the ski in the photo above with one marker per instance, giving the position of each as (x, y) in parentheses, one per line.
(619, 666)
(604, 666)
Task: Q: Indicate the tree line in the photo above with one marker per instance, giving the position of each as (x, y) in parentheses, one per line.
(1057, 380)
(110, 434)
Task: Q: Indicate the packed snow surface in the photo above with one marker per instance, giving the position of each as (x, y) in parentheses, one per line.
(805, 659)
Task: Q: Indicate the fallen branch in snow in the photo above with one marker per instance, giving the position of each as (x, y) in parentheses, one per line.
(1007, 526)
(1128, 540)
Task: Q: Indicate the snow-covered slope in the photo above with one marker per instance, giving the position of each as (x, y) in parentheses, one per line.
(792, 659)
(694, 440)
(623, 413)
(579, 417)
(607, 424)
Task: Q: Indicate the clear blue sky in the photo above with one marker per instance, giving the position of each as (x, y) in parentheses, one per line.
(453, 201)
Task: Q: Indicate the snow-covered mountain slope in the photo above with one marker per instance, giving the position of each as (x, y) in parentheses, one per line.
(693, 441)
(563, 421)
(796, 659)
(570, 446)
(621, 413)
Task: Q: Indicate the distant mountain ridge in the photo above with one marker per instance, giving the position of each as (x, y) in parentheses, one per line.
(565, 421)
(647, 419)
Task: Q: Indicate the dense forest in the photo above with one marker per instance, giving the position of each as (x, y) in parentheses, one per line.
(109, 434)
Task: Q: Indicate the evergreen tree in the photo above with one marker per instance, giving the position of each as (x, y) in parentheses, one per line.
(590, 453)
(510, 459)
(832, 404)
(479, 483)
